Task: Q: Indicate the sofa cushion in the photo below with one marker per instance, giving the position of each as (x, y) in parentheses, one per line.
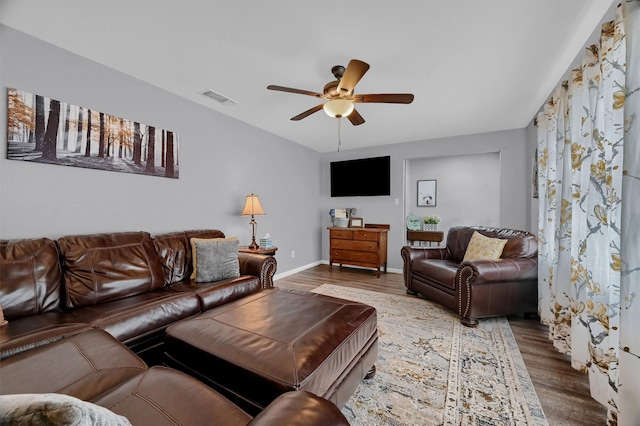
(29, 277)
(220, 292)
(162, 396)
(438, 271)
(484, 248)
(174, 250)
(214, 259)
(519, 243)
(30, 332)
(300, 408)
(52, 409)
(134, 317)
(85, 366)
(99, 268)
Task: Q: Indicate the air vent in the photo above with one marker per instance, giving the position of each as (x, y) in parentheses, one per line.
(219, 97)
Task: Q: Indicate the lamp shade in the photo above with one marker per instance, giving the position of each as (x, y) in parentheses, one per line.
(252, 206)
(338, 108)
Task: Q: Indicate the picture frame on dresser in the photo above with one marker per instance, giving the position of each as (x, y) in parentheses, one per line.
(356, 222)
(427, 193)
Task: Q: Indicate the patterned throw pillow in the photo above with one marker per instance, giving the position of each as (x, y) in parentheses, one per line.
(214, 259)
(484, 248)
(49, 409)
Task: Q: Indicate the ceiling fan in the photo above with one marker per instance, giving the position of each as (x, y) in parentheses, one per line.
(340, 96)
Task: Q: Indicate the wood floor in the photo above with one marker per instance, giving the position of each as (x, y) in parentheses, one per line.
(563, 392)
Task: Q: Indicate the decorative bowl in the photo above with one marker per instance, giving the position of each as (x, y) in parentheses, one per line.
(341, 222)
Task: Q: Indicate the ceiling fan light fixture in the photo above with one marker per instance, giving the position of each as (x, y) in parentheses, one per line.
(340, 94)
(337, 108)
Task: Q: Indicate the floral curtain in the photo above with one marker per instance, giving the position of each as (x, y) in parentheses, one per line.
(589, 257)
(629, 371)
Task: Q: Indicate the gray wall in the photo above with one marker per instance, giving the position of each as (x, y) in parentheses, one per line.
(476, 182)
(514, 183)
(532, 146)
(221, 161)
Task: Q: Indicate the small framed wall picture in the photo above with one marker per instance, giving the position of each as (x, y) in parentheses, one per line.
(427, 193)
(356, 222)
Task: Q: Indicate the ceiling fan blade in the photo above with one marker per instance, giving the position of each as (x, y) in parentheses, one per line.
(307, 113)
(355, 118)
(387, 98)
(298, 91)
(352, 75)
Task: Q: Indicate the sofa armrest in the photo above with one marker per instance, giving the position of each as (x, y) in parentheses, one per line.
(496, 287)
(409, 254)
(424, 253)
(300, 408)
(261, 266)
(501, 270)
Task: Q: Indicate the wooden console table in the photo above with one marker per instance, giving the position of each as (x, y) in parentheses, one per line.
(359, 247)
(429, 236)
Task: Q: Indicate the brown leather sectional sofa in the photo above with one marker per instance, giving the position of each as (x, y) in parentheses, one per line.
(80, 308)
(128, 284)
(93, 366)
(476, 288)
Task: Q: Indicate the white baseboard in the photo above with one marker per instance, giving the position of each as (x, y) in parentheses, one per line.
(276, 277)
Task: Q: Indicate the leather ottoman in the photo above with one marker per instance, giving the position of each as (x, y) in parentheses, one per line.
(261, 346)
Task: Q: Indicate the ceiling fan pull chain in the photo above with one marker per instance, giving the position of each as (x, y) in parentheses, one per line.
(339, 133)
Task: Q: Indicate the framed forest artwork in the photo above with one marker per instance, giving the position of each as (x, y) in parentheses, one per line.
(46, 130)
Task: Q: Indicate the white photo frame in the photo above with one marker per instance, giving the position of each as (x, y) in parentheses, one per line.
(356, 222)
(427, 196)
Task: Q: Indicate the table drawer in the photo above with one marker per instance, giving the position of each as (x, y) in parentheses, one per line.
(354, 256)
(354, 245)
(342, 234)
(366, 235)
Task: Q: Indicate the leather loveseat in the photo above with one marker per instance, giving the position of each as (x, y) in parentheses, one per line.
(78, 307)
(476, 288)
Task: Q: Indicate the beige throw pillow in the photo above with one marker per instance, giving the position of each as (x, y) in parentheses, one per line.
(484, 248)
(214, 259)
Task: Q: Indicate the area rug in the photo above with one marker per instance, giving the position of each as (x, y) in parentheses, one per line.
(431, 370)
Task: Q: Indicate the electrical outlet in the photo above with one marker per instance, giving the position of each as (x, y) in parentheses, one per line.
(293, 253)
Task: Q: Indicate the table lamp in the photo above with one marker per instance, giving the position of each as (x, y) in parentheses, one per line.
(253, 208)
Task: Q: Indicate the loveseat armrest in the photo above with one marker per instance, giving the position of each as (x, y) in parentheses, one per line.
(496, 287)
(409, 254)
(300, 408)
(501, 270)
(261, 266)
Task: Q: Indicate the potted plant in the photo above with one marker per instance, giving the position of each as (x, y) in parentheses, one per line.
(430, 223)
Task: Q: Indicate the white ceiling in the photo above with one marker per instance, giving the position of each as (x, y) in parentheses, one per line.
(473, 66)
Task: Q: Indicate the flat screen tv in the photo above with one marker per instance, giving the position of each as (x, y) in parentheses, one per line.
(361, 178)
